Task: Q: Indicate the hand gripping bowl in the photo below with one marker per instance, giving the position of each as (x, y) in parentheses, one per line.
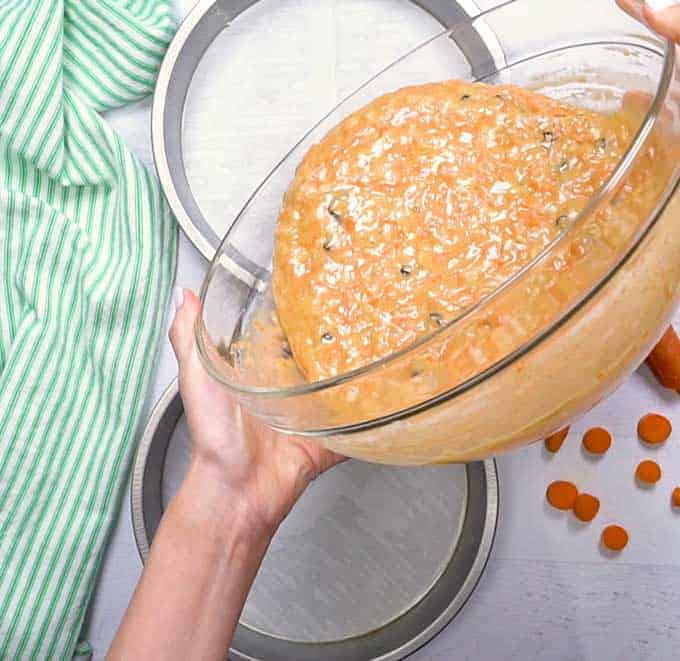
(582, 329)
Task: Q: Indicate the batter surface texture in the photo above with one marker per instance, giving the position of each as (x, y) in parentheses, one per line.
(419, 204)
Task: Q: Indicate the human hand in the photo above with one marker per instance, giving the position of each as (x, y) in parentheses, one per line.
(242, 481)
(263, 471)
(663, 16)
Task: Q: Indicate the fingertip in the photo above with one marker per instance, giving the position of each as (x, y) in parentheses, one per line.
(187, 307)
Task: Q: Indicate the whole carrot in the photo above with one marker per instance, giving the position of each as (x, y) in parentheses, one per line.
(664, 360)
(554, 442)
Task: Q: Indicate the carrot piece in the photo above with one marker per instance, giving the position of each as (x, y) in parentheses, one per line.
(648, 472)
(561, 495)
(597, 440)
(664, 360)
(675, 497)
(654, 428)
(615, 538)
(586, 507)
(554, 442)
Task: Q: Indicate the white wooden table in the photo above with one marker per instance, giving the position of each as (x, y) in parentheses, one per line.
(549, 592)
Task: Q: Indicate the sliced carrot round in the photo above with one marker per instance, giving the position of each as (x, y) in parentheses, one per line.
(561, 494)
(554, 442)
(654, 428)
(597, 440)
(615, 538)
(648, 471)
(586, 507)
(675, 497)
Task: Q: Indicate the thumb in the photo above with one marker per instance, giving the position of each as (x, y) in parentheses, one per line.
(187, 309)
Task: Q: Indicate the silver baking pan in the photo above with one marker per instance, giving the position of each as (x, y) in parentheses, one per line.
(242, 81)
(372, 562)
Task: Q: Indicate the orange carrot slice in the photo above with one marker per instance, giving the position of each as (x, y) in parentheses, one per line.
(615, 538)
(648, 472)
(597, 440)
(561, 494)
(586, 507)
(654, 428)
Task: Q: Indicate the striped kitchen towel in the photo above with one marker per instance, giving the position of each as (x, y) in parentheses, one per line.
(87, 254)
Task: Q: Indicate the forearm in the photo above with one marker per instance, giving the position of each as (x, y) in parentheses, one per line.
(203, 561)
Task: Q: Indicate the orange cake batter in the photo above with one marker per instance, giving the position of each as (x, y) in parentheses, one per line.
(419, 204)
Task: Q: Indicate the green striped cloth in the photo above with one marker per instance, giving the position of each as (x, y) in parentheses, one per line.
(87, 253)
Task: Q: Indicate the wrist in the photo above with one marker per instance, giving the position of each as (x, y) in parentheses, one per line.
(259, 496)
(222, 510)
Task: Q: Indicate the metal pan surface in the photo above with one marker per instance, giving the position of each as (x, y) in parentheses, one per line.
(372, 563)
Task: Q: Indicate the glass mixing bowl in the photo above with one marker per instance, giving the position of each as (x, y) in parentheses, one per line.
(566, 337)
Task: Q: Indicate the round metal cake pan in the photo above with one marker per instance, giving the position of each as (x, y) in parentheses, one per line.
(203, 24)
(372, 563)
